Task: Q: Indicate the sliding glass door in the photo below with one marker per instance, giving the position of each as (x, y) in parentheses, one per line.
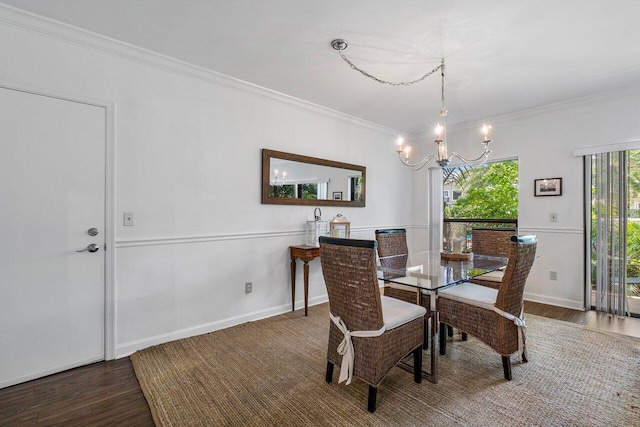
(614, 219)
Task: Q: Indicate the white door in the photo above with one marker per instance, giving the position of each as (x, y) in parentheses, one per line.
(52, 191)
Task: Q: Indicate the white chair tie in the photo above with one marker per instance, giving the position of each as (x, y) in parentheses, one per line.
(522, 330)
(345, 348)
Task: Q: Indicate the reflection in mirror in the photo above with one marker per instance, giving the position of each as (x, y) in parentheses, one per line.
(301, 180)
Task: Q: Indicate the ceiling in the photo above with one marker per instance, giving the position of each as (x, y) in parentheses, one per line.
(501, 55)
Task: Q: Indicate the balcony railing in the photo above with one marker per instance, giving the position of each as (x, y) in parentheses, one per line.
(462, 227)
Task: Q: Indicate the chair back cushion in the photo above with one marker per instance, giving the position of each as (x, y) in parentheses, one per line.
(511, 290)
(349, 270)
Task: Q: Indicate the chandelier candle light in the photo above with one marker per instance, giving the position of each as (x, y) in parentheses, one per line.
(275, 176)
(442, 158)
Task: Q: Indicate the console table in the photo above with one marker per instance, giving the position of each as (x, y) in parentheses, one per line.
(306, 254)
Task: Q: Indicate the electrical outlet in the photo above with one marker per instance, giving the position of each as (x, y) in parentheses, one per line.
(248, 287)
(553, 275)
(128, 219)
(553, 217)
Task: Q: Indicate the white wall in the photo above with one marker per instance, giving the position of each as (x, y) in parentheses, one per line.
(188, 158)
(188, 164)
(543, 140)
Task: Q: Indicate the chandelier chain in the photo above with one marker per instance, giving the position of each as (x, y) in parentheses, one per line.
(386, 82)
(442, 156)
(442, 87)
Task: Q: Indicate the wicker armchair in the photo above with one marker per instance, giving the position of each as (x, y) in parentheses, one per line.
(494, 316)
(381, 330)
(491, 241)
(393, 253)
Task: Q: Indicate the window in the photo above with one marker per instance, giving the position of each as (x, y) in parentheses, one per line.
(355, 188)
(614, 249)
(488, 191)
(473, 194)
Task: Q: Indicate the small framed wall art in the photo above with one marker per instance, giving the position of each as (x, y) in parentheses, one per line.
(337, 195)
(548, 187)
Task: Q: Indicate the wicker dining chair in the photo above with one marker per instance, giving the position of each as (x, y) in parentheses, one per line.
(495, 242)
(494, 316)
(393, 253)
(377, 331)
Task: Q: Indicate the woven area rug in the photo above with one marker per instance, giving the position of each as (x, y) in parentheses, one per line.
(271, 373)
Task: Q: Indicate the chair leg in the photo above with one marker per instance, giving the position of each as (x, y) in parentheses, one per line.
(417, 365)
(449, 330)
(329, 376)
(465, 336)
(506, 366)
(425, 343)
(443, 339)
(371, 405)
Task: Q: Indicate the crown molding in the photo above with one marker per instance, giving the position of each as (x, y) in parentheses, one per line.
(80, 37)
(536, 111)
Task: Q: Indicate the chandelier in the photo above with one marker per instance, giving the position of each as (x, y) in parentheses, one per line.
(442, 156)
(278, 180)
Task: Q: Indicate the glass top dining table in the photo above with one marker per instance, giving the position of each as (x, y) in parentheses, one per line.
(432, 271)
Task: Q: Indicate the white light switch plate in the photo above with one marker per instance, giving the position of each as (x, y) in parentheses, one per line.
(128, 219)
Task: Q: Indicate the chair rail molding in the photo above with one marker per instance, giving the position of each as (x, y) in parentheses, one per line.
(554, 230)
(165, 240)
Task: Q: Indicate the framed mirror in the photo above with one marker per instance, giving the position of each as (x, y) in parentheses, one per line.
(293, 179)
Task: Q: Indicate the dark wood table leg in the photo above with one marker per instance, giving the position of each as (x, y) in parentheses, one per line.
(305, 254)
(306, 286)
(293, 284)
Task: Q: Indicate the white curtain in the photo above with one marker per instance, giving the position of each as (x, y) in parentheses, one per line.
(323, 190)
(609, 222)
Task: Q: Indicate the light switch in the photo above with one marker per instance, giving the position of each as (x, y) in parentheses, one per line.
(128, 219)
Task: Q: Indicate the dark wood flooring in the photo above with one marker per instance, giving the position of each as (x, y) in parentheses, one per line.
(590, 319)
(108, 393)
(100, 394)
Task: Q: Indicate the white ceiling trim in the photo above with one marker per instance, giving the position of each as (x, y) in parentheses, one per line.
(66, 33)
(535, 111)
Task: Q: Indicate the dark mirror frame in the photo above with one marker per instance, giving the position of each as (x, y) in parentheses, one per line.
(267, 155)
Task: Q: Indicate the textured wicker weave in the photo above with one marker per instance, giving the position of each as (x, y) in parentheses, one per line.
(393, 243)
(491, 328)
(352, 285)
(491, 241)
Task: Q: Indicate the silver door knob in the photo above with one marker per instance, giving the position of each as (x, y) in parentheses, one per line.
(91, 248)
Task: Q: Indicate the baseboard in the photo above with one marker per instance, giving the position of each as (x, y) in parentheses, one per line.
(126, 349)
(560, 302)
(46, 372)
